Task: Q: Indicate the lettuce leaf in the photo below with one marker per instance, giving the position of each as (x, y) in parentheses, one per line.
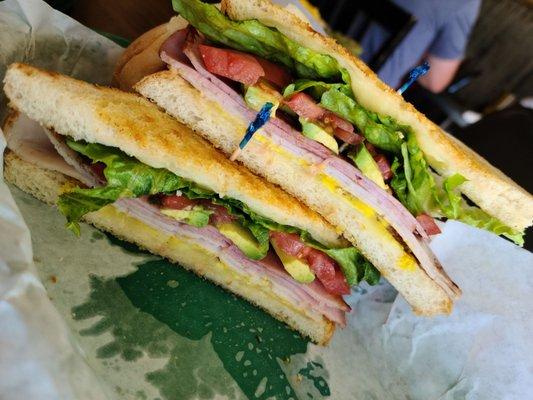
(383, 133)
(416, 188)
(354, 266)
(316, 88)
(253, 37)
(412, 181)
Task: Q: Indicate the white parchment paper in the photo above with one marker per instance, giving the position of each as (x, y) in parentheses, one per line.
(38, 358)
(484, 350)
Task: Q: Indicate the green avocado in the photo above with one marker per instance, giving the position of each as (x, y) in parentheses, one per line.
(296, 268)
(243, 239)
(197, 216)
(256, 96)
(365, 162)
(315, 132)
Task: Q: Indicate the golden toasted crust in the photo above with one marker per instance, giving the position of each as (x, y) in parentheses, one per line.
(136, 126)
(358, 222)
(46, 186)
(141, 58)
(488, 187)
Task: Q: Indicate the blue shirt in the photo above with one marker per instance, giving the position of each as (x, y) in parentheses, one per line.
(442, 30)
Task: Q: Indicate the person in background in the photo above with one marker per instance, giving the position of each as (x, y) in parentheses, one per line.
(439, 36)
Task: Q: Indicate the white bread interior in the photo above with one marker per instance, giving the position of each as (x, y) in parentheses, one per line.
(487, 186)
(46, 186)
(139, 128)
(367, 233)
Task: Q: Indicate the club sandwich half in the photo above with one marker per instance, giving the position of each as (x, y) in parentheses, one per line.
(115, 160)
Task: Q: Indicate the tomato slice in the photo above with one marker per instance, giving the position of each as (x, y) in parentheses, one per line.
(305, 106)
(327, 272)
(348, 137)
(383, 166)
(290, 243)
(220, 213)
(275, 74)
(242, 67)
(335, 121)
(176, 202)
(428, 223)
(324, 267)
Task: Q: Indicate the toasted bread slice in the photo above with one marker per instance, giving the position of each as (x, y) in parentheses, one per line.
(136, 126)
(46, 186)
(487, 186)
(358, 222)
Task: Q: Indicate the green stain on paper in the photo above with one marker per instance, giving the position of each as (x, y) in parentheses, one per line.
(315, 372)
(249, 343)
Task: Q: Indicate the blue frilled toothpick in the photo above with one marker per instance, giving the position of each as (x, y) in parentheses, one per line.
(261, 119)
(415, 73)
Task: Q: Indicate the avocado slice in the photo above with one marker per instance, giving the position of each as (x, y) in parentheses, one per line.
(296, 268)
(197, 216)
(365, 162)
(243, 239)
(315, 132)
(256, 96)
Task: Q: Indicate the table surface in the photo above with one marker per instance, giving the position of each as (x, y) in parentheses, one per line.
(128, 19)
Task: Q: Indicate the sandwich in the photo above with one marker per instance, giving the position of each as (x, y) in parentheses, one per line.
(115, 160)
(338, 139)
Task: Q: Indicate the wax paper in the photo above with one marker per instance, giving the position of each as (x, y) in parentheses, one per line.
(93, 317)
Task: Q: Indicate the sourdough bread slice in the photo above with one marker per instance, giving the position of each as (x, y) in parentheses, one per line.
(46, 185)
(358, 222)
(139, 128)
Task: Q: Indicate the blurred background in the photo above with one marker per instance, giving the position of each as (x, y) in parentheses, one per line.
(480, 85)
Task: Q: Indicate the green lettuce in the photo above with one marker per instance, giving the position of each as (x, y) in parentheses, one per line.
(416, 188)
(354, 266)
(381, 132)
(128, 177)
(252, 36)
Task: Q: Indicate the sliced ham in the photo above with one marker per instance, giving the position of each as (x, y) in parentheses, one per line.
(175, 43)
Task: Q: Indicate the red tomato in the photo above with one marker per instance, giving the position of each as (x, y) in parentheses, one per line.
(220, 213)
(275, 74)
(383, 165)
(237, 66)
(327, 272)
(336, 122)
(348, 137)
(242, 67)
(290, 243)
(176, 202)
(324, 267)
(428, 223)
(304, 105)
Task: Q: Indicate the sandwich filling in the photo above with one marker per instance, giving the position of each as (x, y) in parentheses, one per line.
(244, 64)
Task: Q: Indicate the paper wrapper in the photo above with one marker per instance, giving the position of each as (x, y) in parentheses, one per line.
(95, 318)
